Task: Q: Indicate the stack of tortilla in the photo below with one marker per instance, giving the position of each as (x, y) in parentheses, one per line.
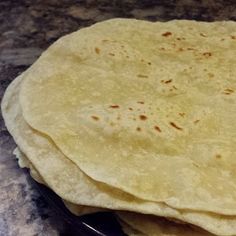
(135, 117)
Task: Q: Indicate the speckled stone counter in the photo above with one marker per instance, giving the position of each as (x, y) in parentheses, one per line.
(27, 28)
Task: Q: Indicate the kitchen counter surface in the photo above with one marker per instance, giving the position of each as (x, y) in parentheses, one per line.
(27, 28)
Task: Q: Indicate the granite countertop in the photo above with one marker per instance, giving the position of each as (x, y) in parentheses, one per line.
(27, 28)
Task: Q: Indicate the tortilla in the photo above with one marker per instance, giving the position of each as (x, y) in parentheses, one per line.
(156, 226)
(148, 224)
(72, 185)
(145, 223)
(23, 162)
(134, 223)
(76, 209)
(148, 108)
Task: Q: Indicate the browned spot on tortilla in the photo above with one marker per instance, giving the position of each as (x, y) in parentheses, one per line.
(140, 102)
(114, 106)
(196, 121)
(157, 128)
(130, 108)
(207, 54)
(142, 117)
(168, 81)
(167, 34)
(182, 114)
(175, 126)
(97, 50)
(111, 54)
(138, 129)
(233, 37)
(95, 118)
(218, 156)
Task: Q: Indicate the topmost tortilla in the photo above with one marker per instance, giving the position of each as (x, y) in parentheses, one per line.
(146, 107)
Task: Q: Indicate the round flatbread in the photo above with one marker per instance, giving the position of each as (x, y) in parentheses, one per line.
(148, 108)
(156, 226)
(72, 185)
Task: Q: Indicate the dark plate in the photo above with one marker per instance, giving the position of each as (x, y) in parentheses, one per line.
(97, 224)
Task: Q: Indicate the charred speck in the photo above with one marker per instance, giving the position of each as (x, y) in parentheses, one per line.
(166, 34)
(207, 54)
(114, 106)
(175, 126)
(142, 117)
(168, 81)
(157, 128)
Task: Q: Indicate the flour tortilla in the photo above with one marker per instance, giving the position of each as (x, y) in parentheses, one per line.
(25, 163)
(148, 108)
(78, 210)
(156, 226)
(71, 184)
(148, 225)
